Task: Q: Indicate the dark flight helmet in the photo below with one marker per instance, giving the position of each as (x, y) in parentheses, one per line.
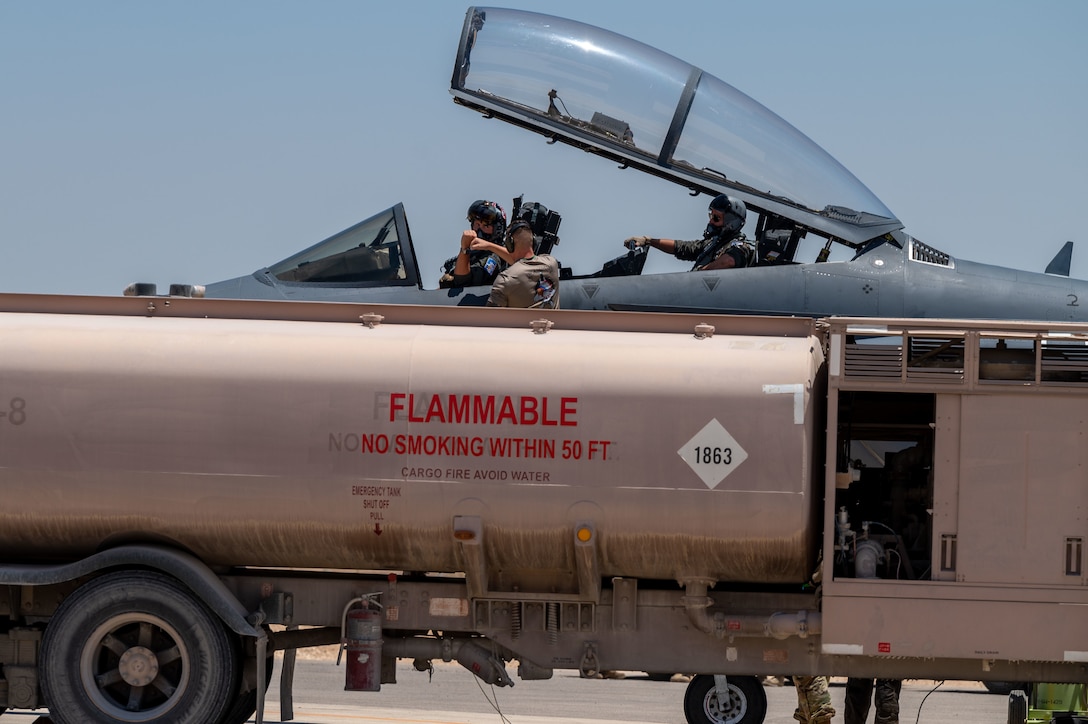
(490, 213)
(733, 210)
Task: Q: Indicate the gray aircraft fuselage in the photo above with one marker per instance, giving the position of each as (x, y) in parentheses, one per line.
(882, 282)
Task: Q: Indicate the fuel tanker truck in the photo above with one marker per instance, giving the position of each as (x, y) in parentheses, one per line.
(191, 485)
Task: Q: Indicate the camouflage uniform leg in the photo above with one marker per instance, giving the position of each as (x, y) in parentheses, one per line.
(813, 700)
(887, 700)
(859, 696)
(801, 712)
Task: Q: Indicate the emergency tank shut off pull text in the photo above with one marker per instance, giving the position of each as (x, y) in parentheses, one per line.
(194, 485)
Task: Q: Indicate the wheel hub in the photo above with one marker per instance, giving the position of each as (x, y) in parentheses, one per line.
(138, 666)
(725, 709)
(726, 706)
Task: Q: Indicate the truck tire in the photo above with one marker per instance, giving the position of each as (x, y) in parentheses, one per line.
(135, 646)
(747, 701)
(1018, 707)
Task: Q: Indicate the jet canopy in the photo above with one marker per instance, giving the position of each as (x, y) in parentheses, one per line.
(632, 103)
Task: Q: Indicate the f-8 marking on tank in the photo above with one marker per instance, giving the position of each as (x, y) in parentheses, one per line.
(16, 412)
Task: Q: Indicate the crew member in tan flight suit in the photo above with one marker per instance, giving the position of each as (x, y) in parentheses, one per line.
(532, 280)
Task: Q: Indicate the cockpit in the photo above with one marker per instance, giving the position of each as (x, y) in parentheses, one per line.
(610, 95)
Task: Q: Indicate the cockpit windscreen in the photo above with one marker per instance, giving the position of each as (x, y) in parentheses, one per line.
(593, 88)
(370, 251)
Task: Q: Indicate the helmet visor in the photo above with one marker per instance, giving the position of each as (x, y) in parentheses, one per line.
(485, 213)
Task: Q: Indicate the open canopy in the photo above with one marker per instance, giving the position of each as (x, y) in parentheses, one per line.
(630, 102)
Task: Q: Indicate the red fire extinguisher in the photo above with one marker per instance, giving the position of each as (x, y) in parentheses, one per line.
(362, 639)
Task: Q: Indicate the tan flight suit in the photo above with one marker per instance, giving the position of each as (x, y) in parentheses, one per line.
(530, 282)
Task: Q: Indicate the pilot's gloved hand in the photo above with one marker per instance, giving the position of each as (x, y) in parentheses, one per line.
(634, 242)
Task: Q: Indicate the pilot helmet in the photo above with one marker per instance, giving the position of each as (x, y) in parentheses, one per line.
(734, 212)
(490, 213)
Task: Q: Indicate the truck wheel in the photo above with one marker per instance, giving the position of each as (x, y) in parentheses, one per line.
(1018, 707)
(747, 701)
(136, 647)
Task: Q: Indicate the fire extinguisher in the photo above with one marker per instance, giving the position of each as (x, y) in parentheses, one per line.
(361, 638)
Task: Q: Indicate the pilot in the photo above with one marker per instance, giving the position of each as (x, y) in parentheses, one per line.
(532, 280)
(480, 259)
(723, 246)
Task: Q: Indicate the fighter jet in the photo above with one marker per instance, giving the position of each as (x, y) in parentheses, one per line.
(826, 245)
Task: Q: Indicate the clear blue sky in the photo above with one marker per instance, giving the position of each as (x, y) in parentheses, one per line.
(197, 141)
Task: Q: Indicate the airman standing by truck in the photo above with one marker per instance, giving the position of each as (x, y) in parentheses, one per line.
(813, 700)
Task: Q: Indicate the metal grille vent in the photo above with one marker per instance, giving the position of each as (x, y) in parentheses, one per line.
(929, 255)
(875, 360)
(936, 359)
(1064, 362)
